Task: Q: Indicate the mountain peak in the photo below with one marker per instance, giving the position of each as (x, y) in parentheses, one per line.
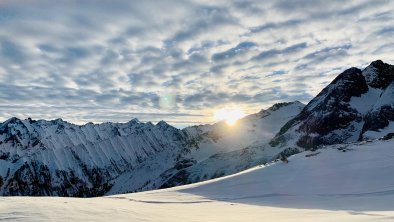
(377, 63)
(58, 120)
(277, 106)
(10, 121)
(30, 120)
(133, 121)
(379, 74)
(337, 113)
(348, 75)
(162, 123)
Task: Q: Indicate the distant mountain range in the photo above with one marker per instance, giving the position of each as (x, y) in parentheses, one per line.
(57, 158)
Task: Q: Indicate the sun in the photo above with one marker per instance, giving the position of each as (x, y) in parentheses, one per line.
(229, 115)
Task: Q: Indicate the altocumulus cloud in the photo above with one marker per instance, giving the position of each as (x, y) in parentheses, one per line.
(179, 60)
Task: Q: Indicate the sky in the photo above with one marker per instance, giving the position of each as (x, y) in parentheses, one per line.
(179, 61)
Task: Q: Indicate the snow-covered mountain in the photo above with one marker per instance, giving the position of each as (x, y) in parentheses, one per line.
(212, 151)
(59, 158)
(324, 185)
(356, 105)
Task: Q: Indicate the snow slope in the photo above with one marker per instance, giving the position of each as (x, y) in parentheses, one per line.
(350, 182)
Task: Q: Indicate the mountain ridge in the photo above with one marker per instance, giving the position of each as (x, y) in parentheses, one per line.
(345, 110)
(58, 158)
(55, 157)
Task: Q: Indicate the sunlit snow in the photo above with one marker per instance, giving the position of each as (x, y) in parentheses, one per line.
(338, 183)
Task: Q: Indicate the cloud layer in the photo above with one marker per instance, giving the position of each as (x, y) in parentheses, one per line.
(179, 60)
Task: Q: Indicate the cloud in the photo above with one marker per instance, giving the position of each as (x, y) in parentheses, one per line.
(329, 53)
(206, 18)
(277, 52)
(386, 31)
(230, 53)
(12, 51)
(274, 25)
(115, 60)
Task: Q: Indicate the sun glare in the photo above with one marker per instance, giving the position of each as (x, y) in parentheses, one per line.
(229, 115)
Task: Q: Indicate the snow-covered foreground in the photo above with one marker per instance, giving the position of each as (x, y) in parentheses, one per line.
(325, 185)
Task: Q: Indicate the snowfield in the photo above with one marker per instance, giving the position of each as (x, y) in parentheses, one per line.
(351, 182)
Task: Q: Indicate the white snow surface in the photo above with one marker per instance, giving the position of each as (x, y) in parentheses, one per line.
(374, 134)
(325, 185)
(387, 98)
(367, 101)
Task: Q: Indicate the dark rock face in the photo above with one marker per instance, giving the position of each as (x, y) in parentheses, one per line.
(280, 105)
(388, 136)
(30, 179)
(35, 179)
(15, 135)
(379, 118)
(180, 178)
(384, 75)
(330, 117)
(334, 103)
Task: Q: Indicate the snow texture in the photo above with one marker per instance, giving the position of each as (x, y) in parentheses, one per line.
(57, 158)
(338, 183)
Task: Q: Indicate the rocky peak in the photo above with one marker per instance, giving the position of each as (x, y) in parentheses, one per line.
(346, 85)
(379, 74)
(277, 106)
(30, 120)
(133, 121)
(11, 120)
(348, 75)
(11, 123)
(335, 115)
(16, 132)
(58, 121)
(163, 125)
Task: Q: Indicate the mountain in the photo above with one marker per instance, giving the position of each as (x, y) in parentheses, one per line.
(214, 151)
(324, 185)
(356, 105)
(58, 158)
